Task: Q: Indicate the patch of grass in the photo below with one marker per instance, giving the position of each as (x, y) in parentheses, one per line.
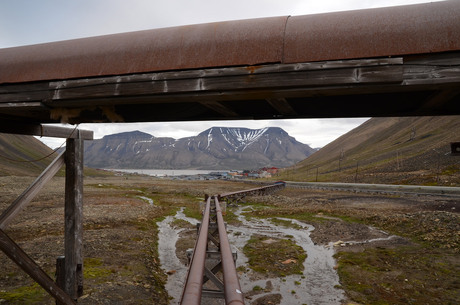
(274, 257)
(94, 269)
(257, 288)
(180, 223)
(285, 223)
(284, 212)
(32, 294)
(231, 218)
(450, 170)
(433, 229)
(193, 211)
(257, 205)
(346, 218)
(404, 275)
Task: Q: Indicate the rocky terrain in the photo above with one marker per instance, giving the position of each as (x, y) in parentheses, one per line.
(215, 148)
(388, 249)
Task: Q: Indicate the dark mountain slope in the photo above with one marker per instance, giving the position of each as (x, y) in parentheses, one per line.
(414, 150)
(17, 150)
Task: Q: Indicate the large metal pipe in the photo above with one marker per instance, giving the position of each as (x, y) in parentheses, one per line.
(191, 294)
(232, 289)
(382, 32)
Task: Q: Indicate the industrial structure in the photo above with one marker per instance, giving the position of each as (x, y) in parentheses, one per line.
(397, 61)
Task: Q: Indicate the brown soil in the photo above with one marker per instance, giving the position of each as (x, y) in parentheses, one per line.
(120, 250)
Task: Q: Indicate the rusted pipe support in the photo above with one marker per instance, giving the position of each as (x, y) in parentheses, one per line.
(232, 289)
(258, 190)
(191, 294)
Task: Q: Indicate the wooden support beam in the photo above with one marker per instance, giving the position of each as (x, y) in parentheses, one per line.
(45, 130)
(438, 99)
(60, 274)
(15, 253)
(214, 270)
(455, 149)
(214, 240)
(73, 218)
(213, 278)
(219, 108)
(213, 294)
(282, 106)
(148, 96)
(82, 93)
(31, 191)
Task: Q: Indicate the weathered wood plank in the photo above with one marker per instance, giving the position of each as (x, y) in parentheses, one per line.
(215, 269)
(364, 75)
(131, 97)
(73, 216)
(31, 191)
(430, 75)
(224, 72)
(213, 278)
(16, 254)
(45, 130)
(25, 95)
(24, 105)
(229, 95)
(213, 294)
(60, 274)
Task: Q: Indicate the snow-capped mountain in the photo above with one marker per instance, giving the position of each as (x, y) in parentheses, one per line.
(214, 148)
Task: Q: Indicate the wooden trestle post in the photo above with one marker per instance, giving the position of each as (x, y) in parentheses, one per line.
(73, 263)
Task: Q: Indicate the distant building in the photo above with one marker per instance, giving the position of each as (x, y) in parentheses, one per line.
(219, 174)
(271, 170)
(265, 174)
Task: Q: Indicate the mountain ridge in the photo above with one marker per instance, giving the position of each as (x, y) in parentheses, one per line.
(213, 148)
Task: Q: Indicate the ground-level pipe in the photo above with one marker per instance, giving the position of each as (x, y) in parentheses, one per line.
(232, 289)
(191, 294)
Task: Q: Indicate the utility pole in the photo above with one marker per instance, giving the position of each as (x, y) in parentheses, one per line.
(356, 173)
(340, 160)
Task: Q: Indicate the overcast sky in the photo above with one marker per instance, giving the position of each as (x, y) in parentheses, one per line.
(24, 22)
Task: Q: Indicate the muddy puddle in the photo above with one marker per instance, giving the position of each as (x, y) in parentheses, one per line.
(319, 283)
(167, 239)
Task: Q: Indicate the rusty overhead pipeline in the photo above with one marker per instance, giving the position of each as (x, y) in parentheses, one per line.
(370, 33)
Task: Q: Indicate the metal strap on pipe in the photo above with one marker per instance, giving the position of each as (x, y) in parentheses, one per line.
(232, 289)
(191, 294)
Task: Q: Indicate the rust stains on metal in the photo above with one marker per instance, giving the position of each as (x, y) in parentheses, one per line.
(392, 31)
(232, 289)
(382, 32)
(191, 294)
(235, 43)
